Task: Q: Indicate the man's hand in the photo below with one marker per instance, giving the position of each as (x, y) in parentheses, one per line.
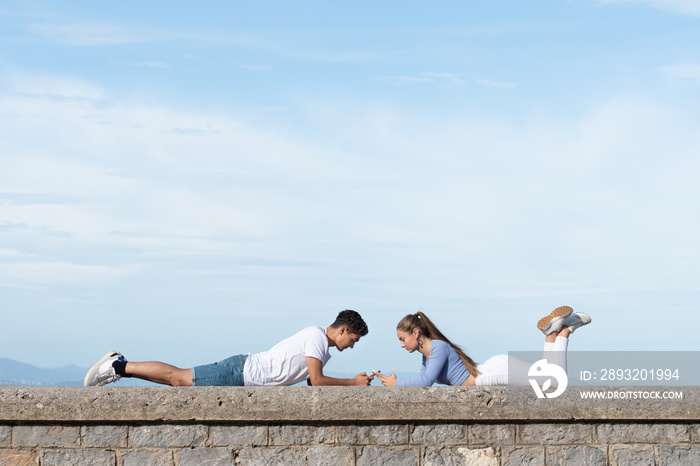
(387, 380)
(317, 378)
(363, 379)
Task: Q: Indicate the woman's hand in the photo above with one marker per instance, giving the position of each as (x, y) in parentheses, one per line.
(387, 380)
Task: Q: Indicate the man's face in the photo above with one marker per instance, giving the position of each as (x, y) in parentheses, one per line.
(346, 339)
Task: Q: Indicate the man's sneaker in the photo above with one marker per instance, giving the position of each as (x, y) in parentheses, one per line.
(576, 320)
(102, 372)
(554, 322)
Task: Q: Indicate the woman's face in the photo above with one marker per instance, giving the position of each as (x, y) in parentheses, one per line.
(409, 340)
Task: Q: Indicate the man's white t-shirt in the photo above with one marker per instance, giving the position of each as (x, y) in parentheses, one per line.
(285, 363)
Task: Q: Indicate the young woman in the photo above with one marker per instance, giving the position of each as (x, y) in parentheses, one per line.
(445, 363)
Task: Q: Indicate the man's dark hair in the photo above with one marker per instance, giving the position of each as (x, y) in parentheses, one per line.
(353, 321)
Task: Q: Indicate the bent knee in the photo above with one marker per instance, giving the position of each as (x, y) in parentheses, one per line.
(182, 378)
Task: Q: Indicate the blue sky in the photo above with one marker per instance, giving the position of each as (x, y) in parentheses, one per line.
(185, 183)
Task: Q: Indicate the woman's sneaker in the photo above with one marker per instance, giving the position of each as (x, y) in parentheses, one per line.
(102, 372)
(554, 322)
(576, 320)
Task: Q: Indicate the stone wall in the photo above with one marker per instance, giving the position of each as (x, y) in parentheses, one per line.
(336, 426)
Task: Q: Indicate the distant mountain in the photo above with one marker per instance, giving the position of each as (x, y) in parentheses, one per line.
(19, 373)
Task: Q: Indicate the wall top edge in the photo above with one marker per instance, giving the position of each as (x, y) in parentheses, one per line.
(335, 404)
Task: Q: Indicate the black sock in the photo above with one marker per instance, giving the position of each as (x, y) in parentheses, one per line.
(120, 367)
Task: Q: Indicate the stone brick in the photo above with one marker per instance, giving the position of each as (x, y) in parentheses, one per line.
(555, 434)
(387, 457)
(636, 455)
(164, 436)
(272, 456)
(300, 435)
(491, 434)
(454, 456)
(150, 458)
(439, 434)
(104, 436)
(643, 433)
(671, 455)
(238, 435)
(78, 458)
(582, 455)
(373, 435)
(5, 436)
(18, 458)
(525, 456)
(695, 433)
(330, 456)
(206, 457)
(46, 436)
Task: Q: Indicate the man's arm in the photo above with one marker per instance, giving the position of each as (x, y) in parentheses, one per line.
(316, 376)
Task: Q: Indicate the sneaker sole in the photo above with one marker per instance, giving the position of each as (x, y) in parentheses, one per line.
(96, 367)
(562, 311)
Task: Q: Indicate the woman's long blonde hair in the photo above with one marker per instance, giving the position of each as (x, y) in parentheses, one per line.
(427, 328)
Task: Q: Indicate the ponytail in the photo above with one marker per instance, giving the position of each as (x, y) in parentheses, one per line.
(427, 328)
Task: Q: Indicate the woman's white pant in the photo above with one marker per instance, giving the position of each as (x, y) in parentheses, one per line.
(494, 371)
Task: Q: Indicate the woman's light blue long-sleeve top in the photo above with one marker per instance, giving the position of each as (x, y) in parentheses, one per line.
(443, 366)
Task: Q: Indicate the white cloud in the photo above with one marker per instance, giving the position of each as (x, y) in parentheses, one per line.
(405, 79)
(34, 88)
(256, 67)
(83, 34)
(453, 79)
(180, 178)
(384, 192)
(691, 7)
(588, 190)
(151, 64)
(13, 253)
(492, 83)
(61, 273)
(447, 79)
(681, 70)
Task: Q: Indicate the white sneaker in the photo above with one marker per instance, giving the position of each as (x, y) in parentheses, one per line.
(554, 322)
(102, 372)
(576, 320)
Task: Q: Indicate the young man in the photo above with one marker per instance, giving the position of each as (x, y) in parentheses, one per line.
(298, 358)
